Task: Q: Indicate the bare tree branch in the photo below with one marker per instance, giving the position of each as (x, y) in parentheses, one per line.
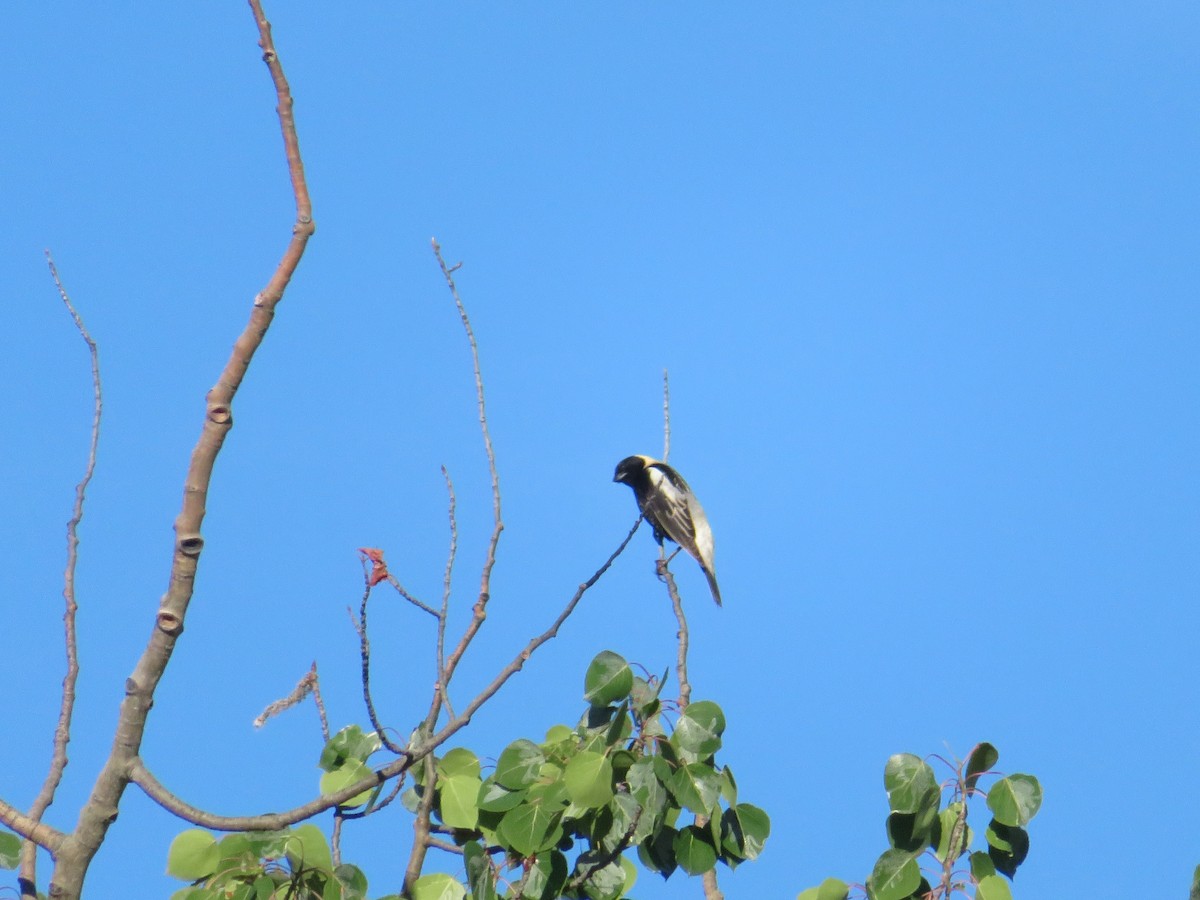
(62, 731)
(498, 527)
(685, 687)
(443, 690)
(712, 890)
(138, 774)
(403, 592)
(30, 829)
(421, 829)
(364, 649)
(100, 810)
(666, 416)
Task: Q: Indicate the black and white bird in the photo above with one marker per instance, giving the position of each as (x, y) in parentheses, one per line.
(668, 504)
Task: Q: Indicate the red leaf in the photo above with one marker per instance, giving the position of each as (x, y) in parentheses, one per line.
(379, 570)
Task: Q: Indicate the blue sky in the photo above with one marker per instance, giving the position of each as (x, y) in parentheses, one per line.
(924, 276)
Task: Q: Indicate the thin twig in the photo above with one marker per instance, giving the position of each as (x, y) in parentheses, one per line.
(379, 805)
(400, 589)
(685, 687)
(443, 688)
(335, 840)
(666, 416)
(436, 844)
(319, 701)
(479, 610)
(62, 731)
(445, 668)
(364, 652)
(485, 579)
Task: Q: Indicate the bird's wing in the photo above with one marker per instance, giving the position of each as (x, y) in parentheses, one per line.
(670, 503)
(673, 509)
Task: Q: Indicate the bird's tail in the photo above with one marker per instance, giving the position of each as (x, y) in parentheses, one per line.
(712, 584)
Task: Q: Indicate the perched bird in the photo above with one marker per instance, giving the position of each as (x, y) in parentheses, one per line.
(668, 504)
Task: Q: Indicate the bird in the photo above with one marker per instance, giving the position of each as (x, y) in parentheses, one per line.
(668, 504)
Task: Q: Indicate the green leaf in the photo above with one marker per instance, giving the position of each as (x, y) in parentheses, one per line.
(648, 791)
(744, 830)
(1194, 893)
(551, 793)
(192, 855)
(981, 759)
(10, 850)
(437, 887)
(547, 877)
(1007, 847)
(696, 787)
(349, 743)
(630, 871)
(912, 831)
(352, 880)
(1015, 800)
(589, 780)
(621, 727)
(530, 828)
(308, 848)
(657, 852)
(495, 798)
(606, 882)
(993, 887)
(481, 877)
(350, 772)
(895, 877)
(608, 679)
(459, 761)
(728, 786)
(519, 765)
(410, 798)
(698, 732)
(981, 865)
(694, 850)
(907, 779)
(557, 734)
(623, 809)
(829, 889)
(460, 801)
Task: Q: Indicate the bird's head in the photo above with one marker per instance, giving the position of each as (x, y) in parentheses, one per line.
(630, 468)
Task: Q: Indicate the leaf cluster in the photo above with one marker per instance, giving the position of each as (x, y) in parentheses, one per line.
(930, 819)
(261, 865)
(554, 818)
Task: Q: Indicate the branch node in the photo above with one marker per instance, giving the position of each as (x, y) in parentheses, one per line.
(190, 544)
(169, 623)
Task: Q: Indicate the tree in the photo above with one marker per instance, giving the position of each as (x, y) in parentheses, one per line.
(618, 780)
